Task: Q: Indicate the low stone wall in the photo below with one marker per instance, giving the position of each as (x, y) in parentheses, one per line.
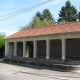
(69, 66)
(41, 49)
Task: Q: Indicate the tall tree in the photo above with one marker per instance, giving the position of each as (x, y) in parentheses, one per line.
(78, 15)
(36, 22)
(48, 16)
(39, 15)
(68, 13)
(40, 20)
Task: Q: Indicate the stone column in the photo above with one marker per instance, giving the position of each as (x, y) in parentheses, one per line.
(63, 49)
(47, 49)
(15, 48)
(35, 49)
(6, 48)
(24, 48)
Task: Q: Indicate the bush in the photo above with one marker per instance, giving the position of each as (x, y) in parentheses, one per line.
(2, 42)
(2, 45)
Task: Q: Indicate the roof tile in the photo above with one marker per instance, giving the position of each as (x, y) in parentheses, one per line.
(56, 29)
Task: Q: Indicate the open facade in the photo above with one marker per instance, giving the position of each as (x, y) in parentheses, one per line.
(61, 42)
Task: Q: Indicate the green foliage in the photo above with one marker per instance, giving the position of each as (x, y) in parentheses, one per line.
(78, 15)
(68, 13)
(62, 22)
(2, 45)
(41, 20)
(39, 15)
(47, 15)
(36, 22)
(2, 42)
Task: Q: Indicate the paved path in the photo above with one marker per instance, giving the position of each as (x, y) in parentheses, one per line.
(14, 72)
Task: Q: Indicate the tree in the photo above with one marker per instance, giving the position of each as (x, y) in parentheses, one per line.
(62, 22)
(68, 13)
(48, 16)
(78, 15)
(36, 22)
(40, 20)
(2, 45)
(2, 42)
(39, 15)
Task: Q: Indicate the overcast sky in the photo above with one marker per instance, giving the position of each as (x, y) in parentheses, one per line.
(12, 25)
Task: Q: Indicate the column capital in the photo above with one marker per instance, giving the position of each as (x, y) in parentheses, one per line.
(15, 41)
(63, 38)
(35, 41)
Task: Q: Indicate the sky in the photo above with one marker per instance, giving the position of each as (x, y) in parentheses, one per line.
(13, 25)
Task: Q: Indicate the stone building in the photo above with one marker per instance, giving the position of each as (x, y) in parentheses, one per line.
(60, 41)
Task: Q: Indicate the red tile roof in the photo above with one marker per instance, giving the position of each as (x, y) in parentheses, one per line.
(56, 29)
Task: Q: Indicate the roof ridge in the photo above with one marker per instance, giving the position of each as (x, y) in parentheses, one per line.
(51, 25)
(37, 28)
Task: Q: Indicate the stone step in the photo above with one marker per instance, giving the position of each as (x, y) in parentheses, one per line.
(46, 64)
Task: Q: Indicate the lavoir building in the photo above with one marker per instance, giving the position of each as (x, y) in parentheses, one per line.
(58, 43)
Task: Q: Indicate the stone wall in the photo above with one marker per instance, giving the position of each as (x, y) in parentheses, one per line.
(41, 49)
(11, 49)
(55, 49)
(20, 49)
(73, 48)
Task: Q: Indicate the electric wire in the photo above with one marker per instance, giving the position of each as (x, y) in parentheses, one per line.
(17, 13)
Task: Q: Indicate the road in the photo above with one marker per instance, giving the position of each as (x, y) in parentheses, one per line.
(16, 72)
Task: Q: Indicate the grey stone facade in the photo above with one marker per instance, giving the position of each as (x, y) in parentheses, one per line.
(73, 48)
(19, 49)
(55, 49)
(11, 49)
(41, 49)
